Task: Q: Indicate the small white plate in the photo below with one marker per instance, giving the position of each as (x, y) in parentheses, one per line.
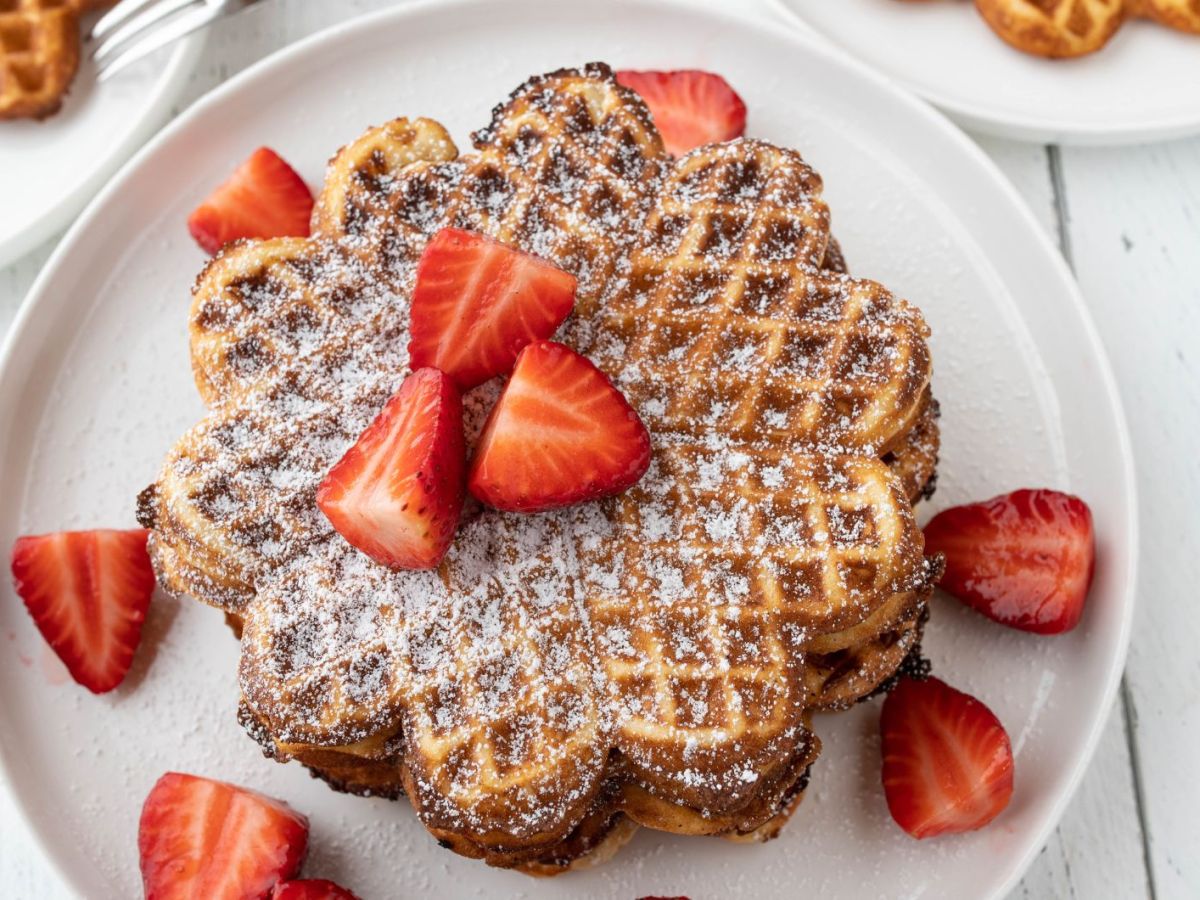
(1143, 86)
(95, 386)
(50, 169)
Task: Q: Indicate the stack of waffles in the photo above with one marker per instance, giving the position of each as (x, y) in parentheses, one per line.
(654, 659)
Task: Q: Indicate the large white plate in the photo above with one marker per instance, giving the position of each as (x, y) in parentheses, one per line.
(95, 386)
(1144, 85)
(50, 169)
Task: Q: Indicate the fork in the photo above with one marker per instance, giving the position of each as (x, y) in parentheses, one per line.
(136, 28)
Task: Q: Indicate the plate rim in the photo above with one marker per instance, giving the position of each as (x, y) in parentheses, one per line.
(180, 63)
(1126, 592)
(1030, 129)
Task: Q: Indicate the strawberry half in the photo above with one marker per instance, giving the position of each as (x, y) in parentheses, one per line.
(560, 434)
(311, 889)
(477, 303)
(263, 198)
(397, 493)
(88, 592)
(1025, 559)
(947, 762)
(690, 108)
(200, 839)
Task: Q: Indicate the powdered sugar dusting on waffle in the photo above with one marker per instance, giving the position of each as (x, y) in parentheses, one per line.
(670, 623)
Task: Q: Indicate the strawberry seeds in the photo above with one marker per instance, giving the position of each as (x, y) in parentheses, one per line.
(560, 433)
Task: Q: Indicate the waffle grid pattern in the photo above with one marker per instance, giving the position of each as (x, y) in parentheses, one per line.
(39, 53)
(1066, 28)
(1181, 14)
(493, 686)
(562, 175)
(732, 289)
(739, 551)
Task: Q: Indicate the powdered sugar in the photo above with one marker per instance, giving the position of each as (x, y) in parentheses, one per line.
(654, 623)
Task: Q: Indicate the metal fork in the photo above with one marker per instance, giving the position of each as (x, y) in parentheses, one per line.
(136, 28)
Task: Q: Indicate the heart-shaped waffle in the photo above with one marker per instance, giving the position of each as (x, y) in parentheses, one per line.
(1064, 28)
(767, 518)
(39, 54)
(1183, 15)
(652, 658)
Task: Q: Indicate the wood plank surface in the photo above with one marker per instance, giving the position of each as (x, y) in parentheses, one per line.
(1133, 217)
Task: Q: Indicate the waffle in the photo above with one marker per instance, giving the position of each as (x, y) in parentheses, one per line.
(1067, 28)
(767, 517)
(1054, 28)
(1183, 15)
(654, 658)
(39, 54)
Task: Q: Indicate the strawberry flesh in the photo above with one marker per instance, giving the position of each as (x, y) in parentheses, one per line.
(311, 889)
(200, 839)
(397, 494)
(1025, 559)
(690, 108)
(263, 198)
(560, 433)
(947, 761)
(476, 303)
(88, 592)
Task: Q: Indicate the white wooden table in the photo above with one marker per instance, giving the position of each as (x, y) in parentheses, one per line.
(1128, 220)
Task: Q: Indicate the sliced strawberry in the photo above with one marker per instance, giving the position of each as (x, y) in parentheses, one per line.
(397, 493)
(88, 592)
(477, 303)
(690, 108)
(560, 434)
(311, 889)
(947, 762)
(200, 839)
(263, 198)
(1025, 559)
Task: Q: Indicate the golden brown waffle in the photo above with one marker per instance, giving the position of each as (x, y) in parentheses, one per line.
(646, 659)
(1068, 28)
(619, 806)
(843, 668)
(914, 459)
(1054, 28)
(767, 517)
(39, 54)
(1183, 15)
(249, 307)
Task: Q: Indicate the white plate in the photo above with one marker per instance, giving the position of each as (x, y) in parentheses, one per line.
(50, 169)
(1144, 85)
(96, 384)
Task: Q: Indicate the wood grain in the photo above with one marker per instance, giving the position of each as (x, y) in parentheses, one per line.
(1096, 850)
(1134, 225)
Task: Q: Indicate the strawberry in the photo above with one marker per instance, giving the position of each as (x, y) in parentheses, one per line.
(88, 592)
(311, 889)
(200, 839)
(397, 493)
(263, 198)
(476, 303)
(559, 434)
(690, 108)
(947, 762)
(1025, 559)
